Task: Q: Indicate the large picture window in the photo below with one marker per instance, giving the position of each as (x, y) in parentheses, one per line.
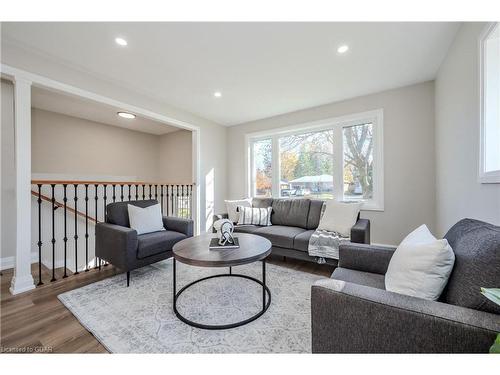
(336, 158)
(489, 169)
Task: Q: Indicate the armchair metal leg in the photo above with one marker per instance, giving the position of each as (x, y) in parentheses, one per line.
(128, 279)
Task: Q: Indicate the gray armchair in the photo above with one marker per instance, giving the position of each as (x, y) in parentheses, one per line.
(120, 245)
(353, 313)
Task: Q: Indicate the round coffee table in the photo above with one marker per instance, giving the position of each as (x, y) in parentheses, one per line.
(194, 251)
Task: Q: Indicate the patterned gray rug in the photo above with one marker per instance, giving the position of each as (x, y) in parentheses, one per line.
(140, 319)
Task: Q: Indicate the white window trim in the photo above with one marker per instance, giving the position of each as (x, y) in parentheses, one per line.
(376, 117)
(491, 177)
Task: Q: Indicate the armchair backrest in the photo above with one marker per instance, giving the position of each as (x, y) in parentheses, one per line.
(117, 213)
(476, 245)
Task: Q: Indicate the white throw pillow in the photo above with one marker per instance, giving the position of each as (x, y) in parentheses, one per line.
(255, 216)
(420, 266)
(145, 220)
(232, 206)
(339, 217)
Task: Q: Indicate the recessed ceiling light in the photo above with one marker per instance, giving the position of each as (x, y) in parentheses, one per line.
(343, 48)
(121, 41)
(217, 94)
(126, 115)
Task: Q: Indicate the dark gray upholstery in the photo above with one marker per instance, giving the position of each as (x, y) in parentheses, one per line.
(279, 235)
(117, 213)
(476, 245)
(288, 216)
(122, 247)
(290, 212)
(352, 312)
(367, 258)
(359, 277)
(352, 318)
(301, 241)
(314, 213)
(157, 242)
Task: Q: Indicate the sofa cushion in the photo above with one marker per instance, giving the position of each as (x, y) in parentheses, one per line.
(281, 236)
(477, 263)
(157, 242)
(245, 228)
(301, 241)
(314, 213)
(290, 212)
(117, 213)
(373, 280)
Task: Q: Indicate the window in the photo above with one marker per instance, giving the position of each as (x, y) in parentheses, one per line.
(489, 169)
(335, 158)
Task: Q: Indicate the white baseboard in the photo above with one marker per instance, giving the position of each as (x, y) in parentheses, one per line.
(8, 262)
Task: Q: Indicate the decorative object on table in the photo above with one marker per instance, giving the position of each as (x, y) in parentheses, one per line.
(493, 294)
(214, 244)
(224, 228)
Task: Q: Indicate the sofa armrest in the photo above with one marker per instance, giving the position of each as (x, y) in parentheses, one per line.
(360, 232)
(218, 217)
(116, 244)
(367, 258)
(179, 224)
(351, 318)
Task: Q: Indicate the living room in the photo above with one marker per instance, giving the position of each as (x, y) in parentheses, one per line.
(251, 187)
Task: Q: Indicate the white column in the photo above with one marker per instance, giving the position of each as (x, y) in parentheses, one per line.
(22, 280)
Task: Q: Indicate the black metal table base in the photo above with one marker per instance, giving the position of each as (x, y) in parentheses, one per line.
(265, 302)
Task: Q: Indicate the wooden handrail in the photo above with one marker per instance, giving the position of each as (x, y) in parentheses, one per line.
(84, 182)
(61, 205)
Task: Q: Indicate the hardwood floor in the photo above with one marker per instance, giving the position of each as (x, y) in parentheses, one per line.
(37, 322)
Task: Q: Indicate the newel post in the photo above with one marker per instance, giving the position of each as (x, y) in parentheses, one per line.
(22, 280)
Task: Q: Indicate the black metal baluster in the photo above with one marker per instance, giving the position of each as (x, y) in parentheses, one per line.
(191, 201)
(114, 193)
(121, 194)
(129, 196)
(65, 239)
(177, 202)
(76, 228)
(143, 195)
(161, 195)
(104, 197)
(150, 196)
(136, 192)
(39, 234)
(53, 236)
(167, 200)
(96, 198)
(156, 192)
(182, 201)
(86, 227)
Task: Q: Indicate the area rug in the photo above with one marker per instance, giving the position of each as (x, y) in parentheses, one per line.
(140, 319)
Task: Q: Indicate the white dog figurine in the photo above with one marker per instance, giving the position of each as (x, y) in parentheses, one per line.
(224, 228)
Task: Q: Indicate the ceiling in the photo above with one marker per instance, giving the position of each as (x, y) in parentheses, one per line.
(77, 107)
(261, 69)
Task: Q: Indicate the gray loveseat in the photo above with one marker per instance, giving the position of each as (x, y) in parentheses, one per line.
(353, 313)
(120, 245)
(293, 223)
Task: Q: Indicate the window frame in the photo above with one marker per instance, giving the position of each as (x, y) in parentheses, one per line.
(375, 117)
(490, 177)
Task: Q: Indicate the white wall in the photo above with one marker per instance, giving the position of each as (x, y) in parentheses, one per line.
(212, 135)
(408, 155)
(459, 194)
(176, 158)
(8, 182)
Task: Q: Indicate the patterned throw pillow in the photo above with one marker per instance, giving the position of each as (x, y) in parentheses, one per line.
(254, 216)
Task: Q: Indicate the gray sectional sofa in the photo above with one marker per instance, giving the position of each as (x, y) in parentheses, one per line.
(293, 223)
(353, 313)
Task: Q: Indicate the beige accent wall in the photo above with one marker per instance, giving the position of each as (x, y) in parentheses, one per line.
(73, 146)
(459, 194)
(8, 182)
(408, 155)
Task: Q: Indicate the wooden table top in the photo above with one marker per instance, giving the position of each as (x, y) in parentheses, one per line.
(195, 251)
